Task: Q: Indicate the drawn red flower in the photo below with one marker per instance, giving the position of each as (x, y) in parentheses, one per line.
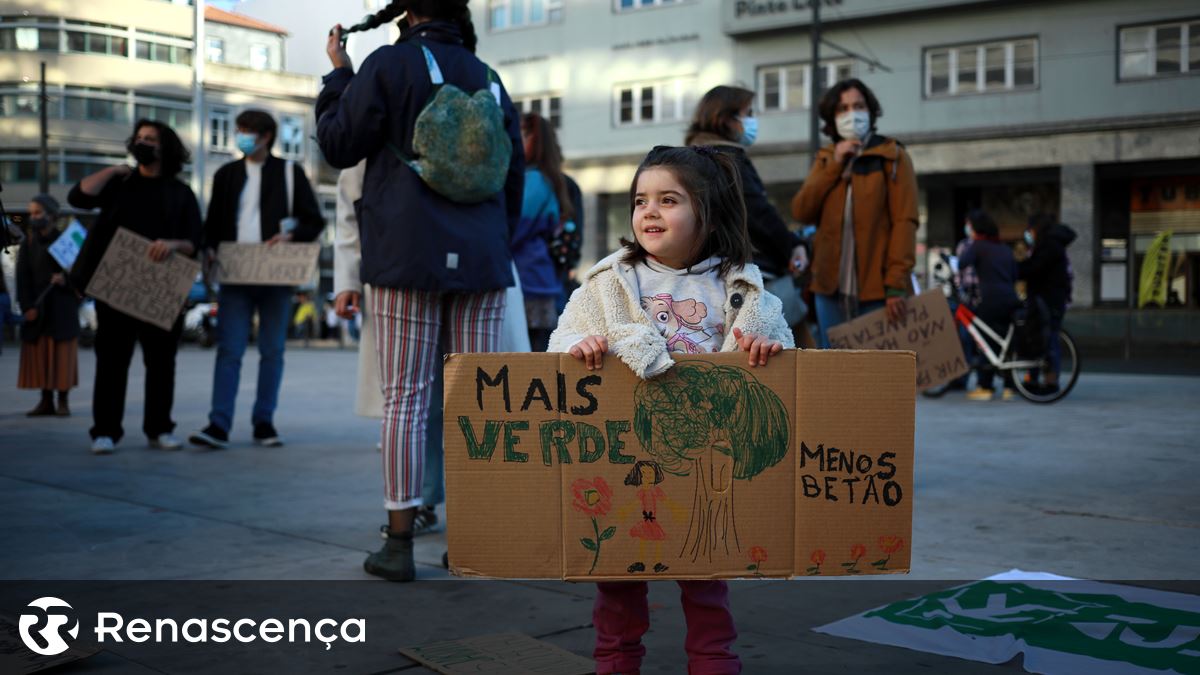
(592, 497)
(818, 557)
(758, 554)
(857, 551)
(890, 544)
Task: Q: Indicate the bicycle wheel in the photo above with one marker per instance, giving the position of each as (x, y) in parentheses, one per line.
(1028, 381)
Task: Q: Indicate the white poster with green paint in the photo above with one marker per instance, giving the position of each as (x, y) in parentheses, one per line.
(1061, 625)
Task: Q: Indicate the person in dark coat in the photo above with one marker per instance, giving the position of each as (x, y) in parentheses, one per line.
(1047, 275)
(438, 268)
(724, 119)
(149, 201)
(994, 269)
(50, 333)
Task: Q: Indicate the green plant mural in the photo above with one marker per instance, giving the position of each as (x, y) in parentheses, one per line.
(718, 424)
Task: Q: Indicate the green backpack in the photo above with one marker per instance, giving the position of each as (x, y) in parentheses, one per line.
(461, 147)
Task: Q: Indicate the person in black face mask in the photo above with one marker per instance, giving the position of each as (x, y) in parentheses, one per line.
(149, 201)
(50, 334)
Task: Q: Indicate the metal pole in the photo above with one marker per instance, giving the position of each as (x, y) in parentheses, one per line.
(814, 84)
(44, 165)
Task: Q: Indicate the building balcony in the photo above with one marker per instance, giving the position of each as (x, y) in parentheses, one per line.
(249, 80)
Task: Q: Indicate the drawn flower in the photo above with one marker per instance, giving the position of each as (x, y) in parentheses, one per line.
(817, 557)
(592, 497)
(758, 554)
(889, 545)
(857, 551)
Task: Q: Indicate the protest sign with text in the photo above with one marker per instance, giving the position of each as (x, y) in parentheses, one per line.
(283, 264)
(129, 281)
(926, 328)
(66, 248)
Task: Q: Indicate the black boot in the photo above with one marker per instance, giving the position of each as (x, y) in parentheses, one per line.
(63, 410)
(45, 406)
(394, 561)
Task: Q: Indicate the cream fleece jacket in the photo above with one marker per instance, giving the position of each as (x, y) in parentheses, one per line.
(609, 304)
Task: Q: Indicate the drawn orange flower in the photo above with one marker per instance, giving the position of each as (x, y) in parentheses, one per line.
(890, 544)
(592, 497)
(758, 554)
(818, 557)
(857, 551)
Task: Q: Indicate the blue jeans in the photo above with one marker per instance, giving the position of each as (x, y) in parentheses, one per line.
(433, 489)
(830, 314)
(235, 311)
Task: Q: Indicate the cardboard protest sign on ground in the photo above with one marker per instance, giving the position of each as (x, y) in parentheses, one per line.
(66, 248)
(712, 470)
(132, 283)
(504, 654)
(1060, 625)
(927, 329)
(263, 265)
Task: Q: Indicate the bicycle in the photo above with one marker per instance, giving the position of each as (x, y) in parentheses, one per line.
(1025, 371)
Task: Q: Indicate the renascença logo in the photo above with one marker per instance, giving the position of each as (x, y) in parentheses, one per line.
(51, 641)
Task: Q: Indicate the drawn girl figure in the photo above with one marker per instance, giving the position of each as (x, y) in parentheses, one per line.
(682, 323)
(646, 476)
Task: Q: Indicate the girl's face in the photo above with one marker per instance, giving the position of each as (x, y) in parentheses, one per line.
(664, 218)
(36, 211)
(851, 100)
(647, 475)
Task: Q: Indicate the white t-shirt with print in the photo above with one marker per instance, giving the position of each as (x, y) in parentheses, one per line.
(687, 307)
(249, 224)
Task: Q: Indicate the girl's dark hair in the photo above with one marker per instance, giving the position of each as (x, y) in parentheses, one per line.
(635, 474)
(983, 224)
(716, 112)
(446, 10)
(545, 155)
(1040, 222)
(829, 104)
(714, 185)
(171, 152)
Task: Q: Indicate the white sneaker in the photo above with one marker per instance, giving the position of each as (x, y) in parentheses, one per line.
(103, 445)
(166, 442)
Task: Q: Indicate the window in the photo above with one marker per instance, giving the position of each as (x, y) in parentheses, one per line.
(1160, 51)
(215, 50)
(170, 50)
(651, 102)
(546, 105)
(626, 5)
(219, 120)
(29, 33)
(291, 136)
(260, 57)
(980, 68)
(506, 14)
(782, 88)
(174, 117)
(18, 100)
(96, 38)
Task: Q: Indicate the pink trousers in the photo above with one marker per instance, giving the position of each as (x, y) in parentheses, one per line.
(621, 616)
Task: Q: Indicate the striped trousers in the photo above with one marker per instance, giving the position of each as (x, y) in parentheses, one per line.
(411, 326)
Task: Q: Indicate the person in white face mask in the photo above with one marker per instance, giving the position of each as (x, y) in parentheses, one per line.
(725, 120)
(862, 195)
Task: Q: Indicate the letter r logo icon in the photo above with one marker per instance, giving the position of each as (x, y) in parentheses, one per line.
(42, 628)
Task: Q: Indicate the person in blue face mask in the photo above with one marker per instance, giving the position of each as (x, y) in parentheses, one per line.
(253, 202)
(724, 119)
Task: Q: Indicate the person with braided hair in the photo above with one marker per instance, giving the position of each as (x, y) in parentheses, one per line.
(438, 267)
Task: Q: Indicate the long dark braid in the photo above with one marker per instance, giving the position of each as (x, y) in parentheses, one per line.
(449, 10)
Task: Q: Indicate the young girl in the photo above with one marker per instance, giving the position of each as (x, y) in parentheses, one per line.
(689, 244)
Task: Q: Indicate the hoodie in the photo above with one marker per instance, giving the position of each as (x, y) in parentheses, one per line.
(1045, 271)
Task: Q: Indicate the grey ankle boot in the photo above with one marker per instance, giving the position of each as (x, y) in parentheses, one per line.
(394, 561)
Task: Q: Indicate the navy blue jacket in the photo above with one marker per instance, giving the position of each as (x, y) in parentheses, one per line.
(411, 236)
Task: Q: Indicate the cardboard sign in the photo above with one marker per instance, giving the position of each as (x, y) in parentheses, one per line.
(66, 248)
(505, 654)
(711, 470)
(927, 329)
(134, 284)
(263, 265)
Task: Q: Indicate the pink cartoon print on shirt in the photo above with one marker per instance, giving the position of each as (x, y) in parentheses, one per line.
(681, 322)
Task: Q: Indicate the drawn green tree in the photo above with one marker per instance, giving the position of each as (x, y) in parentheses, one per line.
(718, 424)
